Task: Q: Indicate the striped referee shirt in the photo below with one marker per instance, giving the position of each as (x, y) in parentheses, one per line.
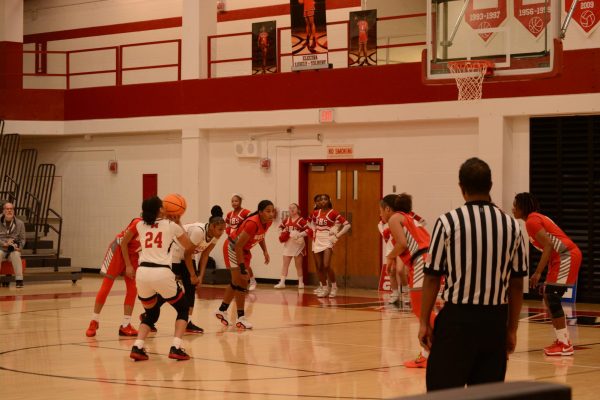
(478, 247)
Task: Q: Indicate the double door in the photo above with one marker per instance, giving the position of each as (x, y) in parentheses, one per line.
(355, 191)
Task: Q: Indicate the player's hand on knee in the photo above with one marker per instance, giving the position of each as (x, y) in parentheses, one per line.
(194, 280)
(130, 272)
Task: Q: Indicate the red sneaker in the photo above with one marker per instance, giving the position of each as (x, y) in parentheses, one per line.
(559, 348)
(127, 331)
(419, 362)
(138, 354)
(91, 330)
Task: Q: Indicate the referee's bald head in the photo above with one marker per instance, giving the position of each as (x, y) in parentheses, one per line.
(475, 177)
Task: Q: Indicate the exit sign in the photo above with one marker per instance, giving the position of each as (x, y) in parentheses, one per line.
(326, 115)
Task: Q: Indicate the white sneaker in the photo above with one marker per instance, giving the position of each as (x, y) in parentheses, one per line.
(300, 285)
(252, 285)
(393, 298)
(324, 292)
(318, 289)
(222, 316)
(243, 323)
(333, 292)
(280, 285)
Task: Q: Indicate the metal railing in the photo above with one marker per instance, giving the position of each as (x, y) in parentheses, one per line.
(58, 232)
(118, 62)
(280, 55)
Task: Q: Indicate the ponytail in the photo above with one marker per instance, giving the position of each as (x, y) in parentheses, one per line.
(151, 209)
(216, 216)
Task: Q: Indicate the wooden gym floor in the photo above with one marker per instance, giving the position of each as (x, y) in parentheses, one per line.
(349, 347)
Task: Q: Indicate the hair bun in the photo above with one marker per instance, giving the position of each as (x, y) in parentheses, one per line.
(216, 211)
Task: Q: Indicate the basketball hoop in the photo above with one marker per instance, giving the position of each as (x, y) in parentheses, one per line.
(469, 76)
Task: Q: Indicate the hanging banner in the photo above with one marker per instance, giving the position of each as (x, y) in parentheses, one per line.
(264, 46)
(309, 34)
(586, 14)
(532, 15)
(486, 14)
(362, 38)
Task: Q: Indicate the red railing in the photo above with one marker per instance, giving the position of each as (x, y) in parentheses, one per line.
(118, 70)
(210, 38)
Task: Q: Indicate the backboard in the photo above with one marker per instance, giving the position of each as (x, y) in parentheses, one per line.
(518, 36)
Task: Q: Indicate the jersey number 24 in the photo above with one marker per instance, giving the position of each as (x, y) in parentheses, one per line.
(151, 240)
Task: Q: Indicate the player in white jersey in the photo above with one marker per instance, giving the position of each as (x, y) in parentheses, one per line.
(204, 236)
(154, 279)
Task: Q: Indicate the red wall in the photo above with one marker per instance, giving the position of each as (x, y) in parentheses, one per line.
(392, 84)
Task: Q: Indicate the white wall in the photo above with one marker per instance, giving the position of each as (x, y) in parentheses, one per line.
(95, 203)
(11, 15)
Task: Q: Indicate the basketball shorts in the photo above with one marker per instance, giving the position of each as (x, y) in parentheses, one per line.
(113, 264)
(565, 268)
(230, 257)
(151, 281)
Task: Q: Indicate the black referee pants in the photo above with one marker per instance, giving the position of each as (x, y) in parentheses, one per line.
(469, 346)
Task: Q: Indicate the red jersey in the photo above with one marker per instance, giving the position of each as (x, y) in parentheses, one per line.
(234, 219)
(253, 228)
(325, 221)
(417, 238)
(309, 4)
(363, 26)
(134, 245)
(300, 224)
(561, 243)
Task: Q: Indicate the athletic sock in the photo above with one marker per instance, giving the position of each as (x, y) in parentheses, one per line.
(424, 352)
(334, 285)
(562, 335)
(139, 344)
(96, 317)
(224, 307)
(240, 313)
(405, 289)
(126, 320)
(283, 279)
(177, 342)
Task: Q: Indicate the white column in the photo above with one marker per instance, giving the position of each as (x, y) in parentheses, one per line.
(195, 173)
(492, 132)
(11, 21)
(199, 21)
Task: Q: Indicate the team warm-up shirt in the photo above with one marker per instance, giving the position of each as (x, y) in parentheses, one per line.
(198, 233)
(325, 221)
(157, 240)
(561, 243)
(478, 247)
(417, 238)
(234, 219)
(255, 229)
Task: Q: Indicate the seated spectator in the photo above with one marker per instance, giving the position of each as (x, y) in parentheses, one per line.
(12, 240)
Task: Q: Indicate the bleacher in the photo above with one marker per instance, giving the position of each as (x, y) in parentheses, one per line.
(28, 185)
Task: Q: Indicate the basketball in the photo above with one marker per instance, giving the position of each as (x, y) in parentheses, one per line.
(174, 204)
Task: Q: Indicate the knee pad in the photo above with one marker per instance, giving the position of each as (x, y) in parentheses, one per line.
(238, 288)
(554, 304)
(182, 308)
(151, 315)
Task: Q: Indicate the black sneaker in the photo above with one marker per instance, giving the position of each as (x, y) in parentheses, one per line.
(178, 354)
(138, 354)
(152, 326)
(20, 284)
(192, 328)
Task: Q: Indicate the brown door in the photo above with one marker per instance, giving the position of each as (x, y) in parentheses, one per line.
(355, 190)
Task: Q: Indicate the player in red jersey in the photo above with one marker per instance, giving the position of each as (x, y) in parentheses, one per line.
(292, 234)
(325, 224)
(233, 220)
(112, 267)
(309, 22)
(563, 259)
(411, 243)
(363, 38)
(263, 45)
(155, 281)
(238, 257)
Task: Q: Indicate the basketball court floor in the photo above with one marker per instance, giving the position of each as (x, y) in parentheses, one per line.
(349, 347)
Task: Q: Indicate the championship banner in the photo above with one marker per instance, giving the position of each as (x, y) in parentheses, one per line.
(362, 38)
(586, 14)
(485, 14)
(264, 47)
(309, 34)
(532, 15)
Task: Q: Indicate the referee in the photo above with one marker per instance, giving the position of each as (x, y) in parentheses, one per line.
(480, 251)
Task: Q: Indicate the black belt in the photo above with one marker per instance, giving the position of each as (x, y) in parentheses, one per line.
(153, 265)
(418, 254)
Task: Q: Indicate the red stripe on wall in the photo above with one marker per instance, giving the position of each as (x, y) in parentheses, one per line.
(11, 65)
(104, 30)
(279, 9)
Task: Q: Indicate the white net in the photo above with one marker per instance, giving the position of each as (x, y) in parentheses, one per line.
(469, 77)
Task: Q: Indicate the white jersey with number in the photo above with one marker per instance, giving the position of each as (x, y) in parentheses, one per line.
(198, 233)
(157, 241)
